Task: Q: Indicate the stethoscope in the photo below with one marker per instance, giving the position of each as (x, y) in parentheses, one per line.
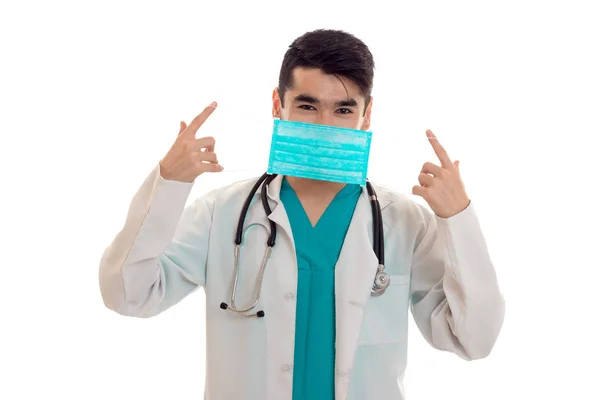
(382, 279)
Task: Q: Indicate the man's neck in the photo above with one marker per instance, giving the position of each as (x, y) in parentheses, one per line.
(314, 188)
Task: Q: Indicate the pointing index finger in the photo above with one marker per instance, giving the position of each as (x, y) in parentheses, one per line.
(439, 150)
(199, 120)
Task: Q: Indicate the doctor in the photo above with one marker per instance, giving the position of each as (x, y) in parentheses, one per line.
(321, 333)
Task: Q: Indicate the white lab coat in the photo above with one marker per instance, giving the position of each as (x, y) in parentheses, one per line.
(439, 268)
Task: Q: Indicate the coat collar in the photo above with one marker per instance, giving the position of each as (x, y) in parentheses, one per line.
(256, 212)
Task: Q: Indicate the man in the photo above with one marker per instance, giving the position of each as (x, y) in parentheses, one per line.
(323, 334)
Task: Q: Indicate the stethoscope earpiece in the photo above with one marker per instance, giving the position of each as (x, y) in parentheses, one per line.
(259, 314)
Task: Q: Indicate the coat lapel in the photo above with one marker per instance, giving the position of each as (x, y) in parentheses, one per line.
(354, 276)
(256, 212)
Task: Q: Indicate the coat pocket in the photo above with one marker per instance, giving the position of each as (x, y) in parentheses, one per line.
(385, 318)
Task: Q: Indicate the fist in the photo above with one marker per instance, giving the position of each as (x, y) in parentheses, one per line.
(189, 157)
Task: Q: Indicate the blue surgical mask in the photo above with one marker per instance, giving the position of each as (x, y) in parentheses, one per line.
(319, 152)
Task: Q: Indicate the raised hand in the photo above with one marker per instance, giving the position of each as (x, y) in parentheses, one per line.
(189, 157)
(441, 186)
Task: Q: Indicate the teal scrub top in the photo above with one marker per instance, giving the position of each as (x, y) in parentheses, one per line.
(317, 251)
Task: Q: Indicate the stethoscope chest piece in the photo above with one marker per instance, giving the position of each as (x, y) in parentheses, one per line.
(381, 283)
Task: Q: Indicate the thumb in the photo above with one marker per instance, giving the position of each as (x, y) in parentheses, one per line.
(456, 163)
(182, 127)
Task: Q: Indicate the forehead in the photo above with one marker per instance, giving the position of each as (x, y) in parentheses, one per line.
(325, 87)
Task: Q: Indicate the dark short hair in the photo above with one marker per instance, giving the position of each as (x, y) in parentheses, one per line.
(334, 52)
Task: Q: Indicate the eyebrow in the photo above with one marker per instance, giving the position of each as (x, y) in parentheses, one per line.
(305, 98)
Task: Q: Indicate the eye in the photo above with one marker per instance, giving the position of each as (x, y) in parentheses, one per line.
(345, 111)
(306, 107)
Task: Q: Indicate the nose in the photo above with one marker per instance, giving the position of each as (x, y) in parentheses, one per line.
(325, 118)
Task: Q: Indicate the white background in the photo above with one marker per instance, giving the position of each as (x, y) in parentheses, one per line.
(91, 96)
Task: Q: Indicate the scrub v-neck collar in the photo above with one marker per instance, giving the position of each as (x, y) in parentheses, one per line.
(347, 190)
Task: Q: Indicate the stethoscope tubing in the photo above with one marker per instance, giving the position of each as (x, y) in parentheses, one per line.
(381, 279)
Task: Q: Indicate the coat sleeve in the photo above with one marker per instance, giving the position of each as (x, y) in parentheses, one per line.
(455, 298)
(159, 256)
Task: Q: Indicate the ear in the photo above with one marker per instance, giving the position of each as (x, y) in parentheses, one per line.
(276, 111)
(367, 118)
